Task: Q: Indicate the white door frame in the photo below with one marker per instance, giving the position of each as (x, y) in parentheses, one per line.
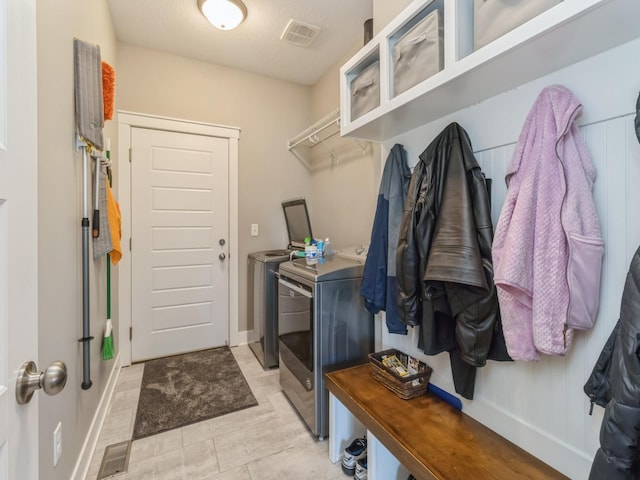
(122, 272)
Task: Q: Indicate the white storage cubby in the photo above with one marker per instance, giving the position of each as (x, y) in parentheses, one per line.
(365, 89)
(367, 58)
(416, 49)
(562, 35)
(494, 18)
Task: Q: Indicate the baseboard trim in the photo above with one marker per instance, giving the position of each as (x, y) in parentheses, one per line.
(91, 440)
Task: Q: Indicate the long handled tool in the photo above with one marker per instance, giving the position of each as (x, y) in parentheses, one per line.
(107, 344)
(86, 313)
(89, 121)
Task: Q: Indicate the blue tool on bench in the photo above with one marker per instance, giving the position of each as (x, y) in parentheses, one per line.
(452, 400)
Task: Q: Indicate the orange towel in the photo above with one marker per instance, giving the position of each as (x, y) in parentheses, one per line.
(113, 215)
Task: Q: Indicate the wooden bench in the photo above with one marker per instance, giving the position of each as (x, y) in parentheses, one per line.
(430, 438)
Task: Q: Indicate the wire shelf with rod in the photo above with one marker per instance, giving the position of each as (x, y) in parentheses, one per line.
(317, 134)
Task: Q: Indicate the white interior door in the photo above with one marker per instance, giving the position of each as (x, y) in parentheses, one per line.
(18, 236)
(180, 238)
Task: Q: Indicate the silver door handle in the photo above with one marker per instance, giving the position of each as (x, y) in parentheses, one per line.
(222, 256)
(52, 380)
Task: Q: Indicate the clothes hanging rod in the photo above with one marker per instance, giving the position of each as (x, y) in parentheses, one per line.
(311, 134)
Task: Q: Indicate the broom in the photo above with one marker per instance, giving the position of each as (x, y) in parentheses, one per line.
(107, 342)
(108, 87)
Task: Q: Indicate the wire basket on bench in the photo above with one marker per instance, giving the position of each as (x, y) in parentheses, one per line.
(407, 386)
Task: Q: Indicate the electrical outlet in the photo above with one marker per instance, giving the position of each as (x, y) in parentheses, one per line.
(57, 444)
(254, 229)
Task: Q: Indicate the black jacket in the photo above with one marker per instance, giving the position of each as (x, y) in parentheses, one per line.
(444, 268)
(615, 383)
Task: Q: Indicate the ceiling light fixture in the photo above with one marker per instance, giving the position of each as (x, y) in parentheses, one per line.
(223, 14)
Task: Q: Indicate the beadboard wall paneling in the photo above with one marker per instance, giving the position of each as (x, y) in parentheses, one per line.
(541, 406)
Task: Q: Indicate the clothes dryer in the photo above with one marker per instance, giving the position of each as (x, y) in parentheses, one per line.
(322, 326)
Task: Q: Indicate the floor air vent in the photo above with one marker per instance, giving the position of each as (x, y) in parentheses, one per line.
(300, 33)
(115, 460)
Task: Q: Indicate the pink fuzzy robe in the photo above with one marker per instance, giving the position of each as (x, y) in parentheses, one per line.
(547, 250)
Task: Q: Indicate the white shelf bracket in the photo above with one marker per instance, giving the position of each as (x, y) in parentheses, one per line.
(301, 158)
(363, 146)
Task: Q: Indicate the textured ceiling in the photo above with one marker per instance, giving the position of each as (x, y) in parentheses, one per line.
(178, 27)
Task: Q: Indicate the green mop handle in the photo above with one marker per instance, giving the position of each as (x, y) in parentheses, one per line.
(108, 286)
(108, 155)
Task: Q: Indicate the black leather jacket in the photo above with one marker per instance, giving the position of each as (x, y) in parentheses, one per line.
(615, 383)
(444, 268)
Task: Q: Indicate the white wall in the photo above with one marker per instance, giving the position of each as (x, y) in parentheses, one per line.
(384, 11)
(267, 111)
(541, 406)
(59, 237)
(344, 186)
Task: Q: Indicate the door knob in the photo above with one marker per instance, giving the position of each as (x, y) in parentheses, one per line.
(52, 380)
(222, 256)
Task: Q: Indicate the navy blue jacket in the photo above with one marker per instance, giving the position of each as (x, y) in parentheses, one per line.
(379, 286)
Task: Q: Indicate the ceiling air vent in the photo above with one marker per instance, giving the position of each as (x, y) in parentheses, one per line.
(299, 33)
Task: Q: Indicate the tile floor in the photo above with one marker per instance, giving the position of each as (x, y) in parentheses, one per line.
(266, 442)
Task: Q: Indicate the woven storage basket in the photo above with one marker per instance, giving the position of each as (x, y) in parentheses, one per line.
(406, 387)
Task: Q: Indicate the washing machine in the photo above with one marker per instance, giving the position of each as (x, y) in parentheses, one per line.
(262, 303)
(262, 284)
